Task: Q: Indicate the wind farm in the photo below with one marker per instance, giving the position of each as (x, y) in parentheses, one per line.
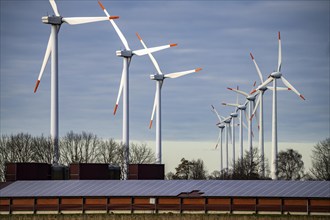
(98, 134)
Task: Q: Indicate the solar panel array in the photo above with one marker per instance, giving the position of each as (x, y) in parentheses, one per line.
(158, 188)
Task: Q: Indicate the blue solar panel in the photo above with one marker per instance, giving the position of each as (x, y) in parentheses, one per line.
(209, 188)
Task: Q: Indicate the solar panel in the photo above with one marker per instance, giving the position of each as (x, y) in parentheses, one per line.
(209, 188)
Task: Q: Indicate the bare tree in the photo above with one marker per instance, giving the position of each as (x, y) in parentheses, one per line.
(4, 155)
(321, 160)
(43, 149)
(141, 154)
(20, 148)
(290, 165)
(90, 143)
(15, 148)
(107, 152)
(78, 148)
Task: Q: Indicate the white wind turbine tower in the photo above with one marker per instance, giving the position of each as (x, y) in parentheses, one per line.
(251, 101)
(52, 48)
(127, 55)
(259, 102)
(227, 122)
(273, 78)
(160, 77)
(233, 116)
(221, 126)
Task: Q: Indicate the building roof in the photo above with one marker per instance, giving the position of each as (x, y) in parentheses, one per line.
(160, 188)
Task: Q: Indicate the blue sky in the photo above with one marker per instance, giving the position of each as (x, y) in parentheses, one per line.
(215, 35)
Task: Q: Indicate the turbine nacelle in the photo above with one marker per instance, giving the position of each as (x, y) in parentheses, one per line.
(276, 75)
(158, 77)
(221, 126)
(241, 107)
(124, 53)
(233, 115)
(251, 97)
(54, 20)
(264, 88)
(227, 121)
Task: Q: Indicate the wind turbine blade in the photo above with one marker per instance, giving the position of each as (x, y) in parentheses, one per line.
(237, 96)
(256, 106)
(278, 88)
(215, 112)
(153, 60)
(239, 91)
(44, 62)
(119, 92)
(153, 109)
(244, 125)
(230, 104)
(225, 119)
(179, 74)
(54, 6)
(216, 146)
(120, 34)
(290, 87)
(152, 49)
(265, 83)
(257, 67)
(279, 53)
(85, 20)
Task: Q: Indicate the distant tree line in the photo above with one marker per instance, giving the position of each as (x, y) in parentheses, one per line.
(81, 147)
(87, 147)
(290, 166)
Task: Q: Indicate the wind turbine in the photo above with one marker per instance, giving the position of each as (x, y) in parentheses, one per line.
(127, 55)
(221, 126)
(226, 121)
(251, 101)
(52, 48)
(159, 77)
(259, 102)
(241, 108)
(273, 78)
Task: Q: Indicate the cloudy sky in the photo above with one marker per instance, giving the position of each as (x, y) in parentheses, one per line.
(214, 35)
